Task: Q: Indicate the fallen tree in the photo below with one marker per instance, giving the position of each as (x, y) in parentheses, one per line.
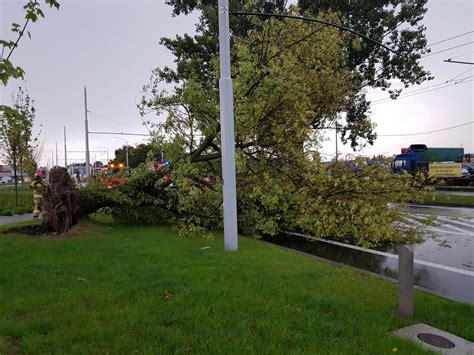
(64, 204)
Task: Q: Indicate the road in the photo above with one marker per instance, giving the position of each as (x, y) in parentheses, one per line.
(15, 218)
(450, 239)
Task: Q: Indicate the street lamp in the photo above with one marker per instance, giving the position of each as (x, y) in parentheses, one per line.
(227, 113)
(126, 150)
(227, 131)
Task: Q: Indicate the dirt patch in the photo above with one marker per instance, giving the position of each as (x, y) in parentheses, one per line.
(83, 229)
(9, 346)
(28, 230)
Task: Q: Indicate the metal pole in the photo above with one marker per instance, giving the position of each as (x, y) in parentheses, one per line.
(406, 281)
(88, 168)
(57, 161)
(126, 154)
(65, 149)
(227, 131)
(107, 152)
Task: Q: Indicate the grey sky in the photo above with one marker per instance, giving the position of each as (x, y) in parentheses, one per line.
(112, 46)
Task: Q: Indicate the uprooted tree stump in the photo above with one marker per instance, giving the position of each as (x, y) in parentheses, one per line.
(64, 205)
(58, 202)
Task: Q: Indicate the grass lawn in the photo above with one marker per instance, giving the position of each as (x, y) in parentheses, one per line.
(446, 198)
(7, 200)
(108, 288)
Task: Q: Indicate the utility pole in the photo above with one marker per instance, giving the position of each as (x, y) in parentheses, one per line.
(88, 167)
(457, 62)
(126, 150)
(107, 153)
(227, 131)
(57, 161)
(65, 149)
(126, 154)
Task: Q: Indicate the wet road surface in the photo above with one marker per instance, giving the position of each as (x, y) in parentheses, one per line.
(444, 263)
(450, 240)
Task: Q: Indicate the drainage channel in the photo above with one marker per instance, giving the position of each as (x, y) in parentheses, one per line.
(449, 282)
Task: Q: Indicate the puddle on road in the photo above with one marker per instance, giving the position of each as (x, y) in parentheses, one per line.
(445, 282)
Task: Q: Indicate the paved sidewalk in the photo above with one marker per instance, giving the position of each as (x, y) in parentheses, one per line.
(15, 218)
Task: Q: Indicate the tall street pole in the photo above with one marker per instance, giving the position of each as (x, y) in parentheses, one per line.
(65, 149)
(227, 131)
(126, 150)
(126, 154)
(107, 153)
(88, 167)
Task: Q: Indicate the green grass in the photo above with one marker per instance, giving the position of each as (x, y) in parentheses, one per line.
(103, 288)
(446, 198)
(7, 200)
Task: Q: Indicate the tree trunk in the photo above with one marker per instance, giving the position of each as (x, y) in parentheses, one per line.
(15, 167)
(58, 202)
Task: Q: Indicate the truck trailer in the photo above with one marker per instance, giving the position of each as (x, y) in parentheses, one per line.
(438, 163)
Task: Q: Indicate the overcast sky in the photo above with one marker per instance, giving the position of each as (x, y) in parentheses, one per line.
(112, 46)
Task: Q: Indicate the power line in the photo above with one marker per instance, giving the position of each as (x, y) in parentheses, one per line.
(448, 39)
(427, 87)
(447, 49)
(122, 133)
(429, 46)
(108, 119)
(427, 132)
(425, 91)
(243, 13)
(464, 72)
(461, 55)
(421, 90)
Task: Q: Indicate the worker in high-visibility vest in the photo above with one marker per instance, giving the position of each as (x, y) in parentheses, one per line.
(39, 186)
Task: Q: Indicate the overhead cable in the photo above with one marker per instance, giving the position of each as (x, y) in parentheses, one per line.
(427, 132)
(425, 91)
(448, 39)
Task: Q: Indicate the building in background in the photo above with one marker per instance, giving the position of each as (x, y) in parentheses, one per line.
(6, 174)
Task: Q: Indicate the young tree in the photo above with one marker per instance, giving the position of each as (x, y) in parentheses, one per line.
(12, 131)
(16, 142)
(32, 13)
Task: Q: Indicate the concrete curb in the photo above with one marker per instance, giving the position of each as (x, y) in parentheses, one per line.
(443, 204)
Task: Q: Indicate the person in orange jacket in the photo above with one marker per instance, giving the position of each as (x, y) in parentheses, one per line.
(39, 185)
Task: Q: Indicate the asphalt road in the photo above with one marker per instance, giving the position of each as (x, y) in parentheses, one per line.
(15, 218)
(449, 240)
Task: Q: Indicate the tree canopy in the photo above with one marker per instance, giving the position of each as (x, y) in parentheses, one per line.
(136, 155)
(284, 87)
(396, 23)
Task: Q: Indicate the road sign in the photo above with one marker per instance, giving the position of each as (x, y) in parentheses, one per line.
(445, 170)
